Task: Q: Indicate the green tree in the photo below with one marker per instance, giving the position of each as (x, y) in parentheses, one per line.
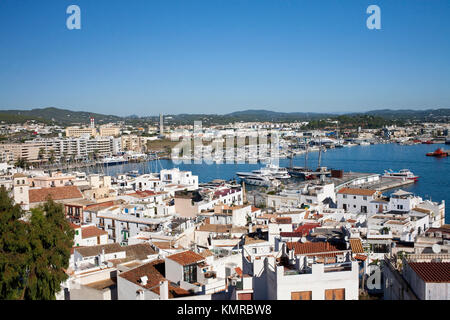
(14, 248)
(52, 157)
(51, 239)
(41, 153)
(34, 251)
(21, 163)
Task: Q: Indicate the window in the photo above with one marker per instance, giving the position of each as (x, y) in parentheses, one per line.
(190, 273)
(365, 198)
(335, 294)
(301, 295)
(255, 250)
(344, 196)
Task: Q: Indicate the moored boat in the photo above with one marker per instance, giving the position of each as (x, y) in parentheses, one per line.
(402, 174)
(438, 153)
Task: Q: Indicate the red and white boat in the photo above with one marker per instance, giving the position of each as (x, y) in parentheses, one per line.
(402, 174)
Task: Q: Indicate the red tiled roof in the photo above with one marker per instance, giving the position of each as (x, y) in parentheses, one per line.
(311, 248)
(255, 209)
(357, 191)
(291, 234)
(101, 205)
(356, 246)
(186, 257)
(155, 273)
(92, 231)
(305, 229)
(432, 271)
(74, 226)
(142, 194)
(283, 220)
(56, 193)
(360, 257)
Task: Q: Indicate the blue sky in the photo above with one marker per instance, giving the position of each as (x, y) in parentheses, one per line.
(217, 56)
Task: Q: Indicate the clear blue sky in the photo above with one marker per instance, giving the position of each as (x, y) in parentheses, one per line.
(217, 56)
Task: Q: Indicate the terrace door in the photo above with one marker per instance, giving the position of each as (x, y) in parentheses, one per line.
(301, 295)
(335, 294)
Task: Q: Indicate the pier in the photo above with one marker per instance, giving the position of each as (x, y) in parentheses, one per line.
(387, 184)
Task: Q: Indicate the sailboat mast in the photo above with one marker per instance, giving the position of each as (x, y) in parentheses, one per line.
(320, 153)
(306, 154)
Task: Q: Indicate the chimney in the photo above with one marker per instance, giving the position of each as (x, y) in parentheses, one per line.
(144, 280)
(244, 193)
(250, 228)
(164, 290)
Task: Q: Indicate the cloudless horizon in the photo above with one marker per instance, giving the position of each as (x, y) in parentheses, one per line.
(147, 57)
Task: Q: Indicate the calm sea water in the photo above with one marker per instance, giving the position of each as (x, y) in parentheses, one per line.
(434, 173)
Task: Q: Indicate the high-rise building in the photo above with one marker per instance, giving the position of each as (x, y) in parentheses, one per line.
(161, 124)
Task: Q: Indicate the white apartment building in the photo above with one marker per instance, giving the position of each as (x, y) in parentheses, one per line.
(355, 200)
(176, 176)
(311, 194)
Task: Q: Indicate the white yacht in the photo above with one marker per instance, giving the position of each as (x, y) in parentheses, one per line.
(114, 160)
(266, 176)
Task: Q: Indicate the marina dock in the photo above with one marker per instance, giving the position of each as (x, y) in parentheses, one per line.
(387, 184)
(372, 181)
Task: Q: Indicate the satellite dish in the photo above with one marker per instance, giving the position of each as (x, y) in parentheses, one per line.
(436, 248)
(303, 240)
(346, 238)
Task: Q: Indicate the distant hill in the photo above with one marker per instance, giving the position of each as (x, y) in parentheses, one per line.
(68, 117)
(60, 116)
(267, 115)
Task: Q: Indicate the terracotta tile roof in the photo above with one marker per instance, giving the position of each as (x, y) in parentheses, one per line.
(360, 257)
(283, 220)
(250, 240)
(19, 175)
(432, 271)
(142, 194)
(291, 234)
(56, 193)
(97, 206)
(422, 210)
(306, 228)
(74, 226)
(311, 248)
(139, 251)
(164, 245)
(267, 216)
(155, 274)
(442, 229)
(356, 246)
(206, 253)
(186, 257)
(92, 231)
(218, 228)
(254, 209)
(357, 191)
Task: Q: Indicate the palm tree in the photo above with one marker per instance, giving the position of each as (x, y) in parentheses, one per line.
(21, 163)
(52, 158)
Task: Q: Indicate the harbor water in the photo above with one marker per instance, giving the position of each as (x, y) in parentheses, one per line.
(434, 173)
